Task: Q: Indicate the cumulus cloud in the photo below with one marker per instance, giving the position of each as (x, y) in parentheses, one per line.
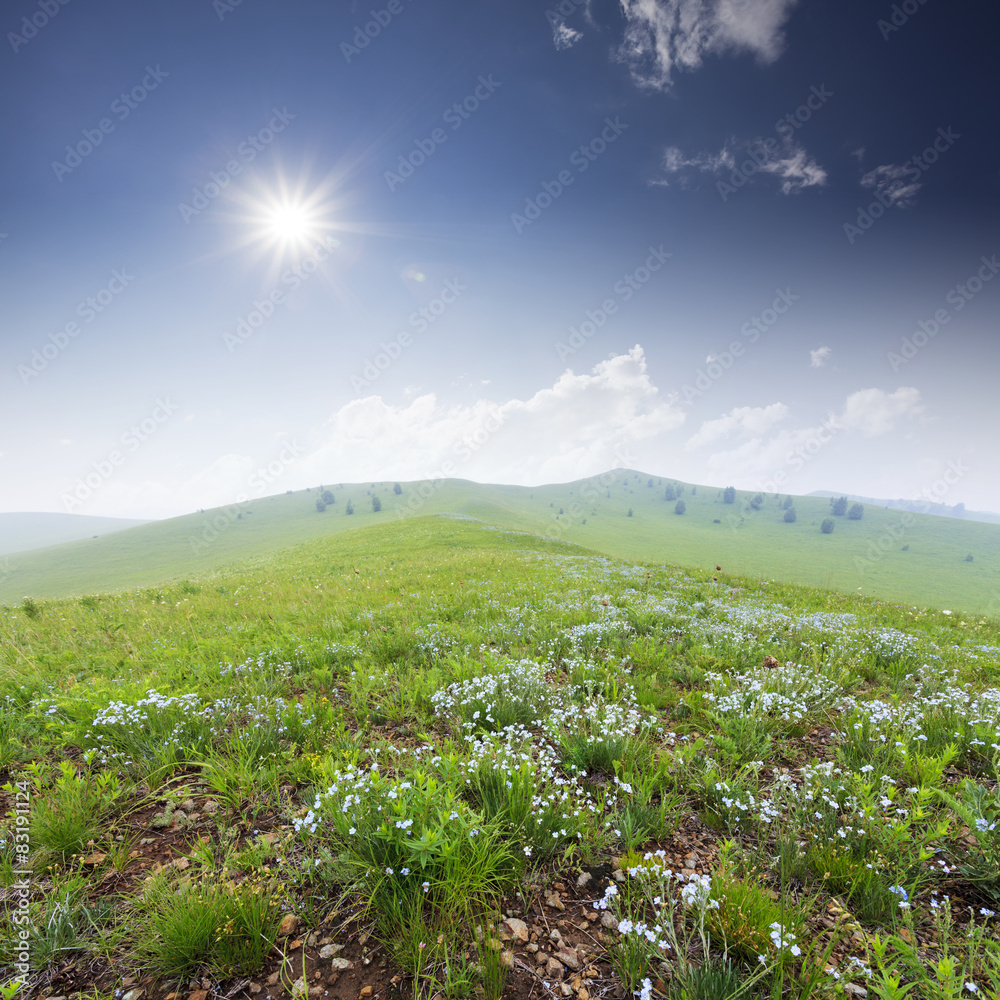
(581, 425)
(887, 182)
(874, 411)
(820, 356)
(755, 420)
(740, 159)
(767, 461)
(664, 36)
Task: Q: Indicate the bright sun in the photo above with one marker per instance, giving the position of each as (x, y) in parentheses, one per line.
(290, 223)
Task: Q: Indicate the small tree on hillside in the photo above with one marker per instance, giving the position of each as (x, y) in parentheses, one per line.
(350, 508)
(789, 502)
(729, 494)
(757, 502)
(840, 506)
(629, 512)
(669, 494)
(680, 507)
(790, 516)
(320, 506)
(856, 512)
(397, 489)
(376, 504)
(327, 497)
(827, 526)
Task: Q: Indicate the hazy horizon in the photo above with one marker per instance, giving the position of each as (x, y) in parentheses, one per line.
(249, 248)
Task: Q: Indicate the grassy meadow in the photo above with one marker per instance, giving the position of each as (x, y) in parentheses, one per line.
(441, 758)
(890, 554)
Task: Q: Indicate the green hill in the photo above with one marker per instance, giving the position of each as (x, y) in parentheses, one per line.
(20, 532)
(895, 555)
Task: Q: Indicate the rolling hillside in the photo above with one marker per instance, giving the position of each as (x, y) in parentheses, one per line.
(910, 558)
(20, 532)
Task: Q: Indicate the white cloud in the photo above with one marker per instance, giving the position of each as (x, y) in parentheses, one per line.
(565, 37)
(662, 36)
(820, 356)
(887, 182)
(874, 411)
(583, 424)
(796, 169)
(754, 420)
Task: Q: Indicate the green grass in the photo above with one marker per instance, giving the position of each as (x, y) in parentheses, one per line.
(916, 559)
(410, 731)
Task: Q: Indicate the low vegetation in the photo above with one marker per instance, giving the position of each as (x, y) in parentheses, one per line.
(438, 758)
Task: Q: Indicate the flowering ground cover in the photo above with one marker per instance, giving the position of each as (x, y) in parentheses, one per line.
(435, 759)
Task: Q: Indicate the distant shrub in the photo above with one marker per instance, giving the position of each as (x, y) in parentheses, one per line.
(31, 609)
(397, 489)
(629, 512)
(680, 507)
(729, 494)
(757, 502)
(789, 502)
(327, 497)
(790, 515)
(669, 494)
(350, 508)
(376, 504)
(969, 557)
(840, 506)
(856, 512)
(827, 526)
(320, 506)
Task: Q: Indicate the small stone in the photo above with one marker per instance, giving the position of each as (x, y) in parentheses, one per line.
(541, 958)
(189, 805)
(339, 964)
(210, 807)
(569, 958)
(255, 988)
(288, 924)
(552, 899)
(514, 928)
(583, 993)
(198, 995)
(555, 935)
(299, 988)
(855, 991)
(532, 947)
(272, 980)
(583, 879)
(565, 989)
(329, 950)
(507, 958)
(554, 967)
(608, 920)
(366, 991)
(133, 994)
(592, 916)
(312, 939)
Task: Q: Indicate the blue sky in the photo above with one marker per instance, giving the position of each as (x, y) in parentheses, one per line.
(250, 247)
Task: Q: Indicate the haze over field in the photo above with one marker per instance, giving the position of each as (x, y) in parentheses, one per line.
(251, 247)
